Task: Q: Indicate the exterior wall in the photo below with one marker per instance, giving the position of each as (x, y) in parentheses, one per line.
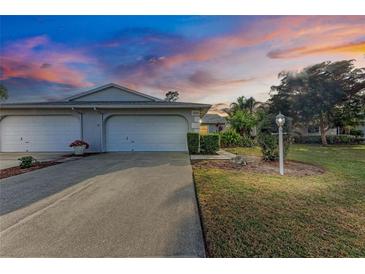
(92, 122)
(112, 94)
(304, 131)
(91, 125)
(213, 128)
(195, 121)
(204, 129)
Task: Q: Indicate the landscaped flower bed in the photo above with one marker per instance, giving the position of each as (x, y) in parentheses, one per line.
(12, 171)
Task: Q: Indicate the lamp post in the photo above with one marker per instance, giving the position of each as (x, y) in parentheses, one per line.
(280, 121)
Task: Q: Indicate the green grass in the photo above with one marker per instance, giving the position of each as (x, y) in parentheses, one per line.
(254, 151)
(247, 214)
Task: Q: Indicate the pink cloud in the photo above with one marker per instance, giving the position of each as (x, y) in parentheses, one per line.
(302, 51)
(23, 59)
(274, 37)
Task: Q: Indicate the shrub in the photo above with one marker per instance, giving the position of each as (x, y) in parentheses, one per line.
(269, 147)
(26, 161)
(193, 142)
(230, 138)
(357, 132)
(79, 143)
(331, 139)
(246, 141)
(210, 143)
(307, 139)
(268, 139)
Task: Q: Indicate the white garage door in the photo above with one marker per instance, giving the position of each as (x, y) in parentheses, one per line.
(146, 133)
(38, 133)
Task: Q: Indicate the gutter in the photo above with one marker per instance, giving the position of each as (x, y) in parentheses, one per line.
(198, 106)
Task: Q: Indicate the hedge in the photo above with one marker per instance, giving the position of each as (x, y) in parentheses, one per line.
(331, 139)
(210, 143)
(193, 142)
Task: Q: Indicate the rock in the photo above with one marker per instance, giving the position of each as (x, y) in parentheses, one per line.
(239, 160)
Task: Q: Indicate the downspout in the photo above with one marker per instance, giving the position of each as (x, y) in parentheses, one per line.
(81, 122)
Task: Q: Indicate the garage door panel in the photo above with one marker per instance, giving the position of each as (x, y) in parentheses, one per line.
(146, 133)
(38, 133)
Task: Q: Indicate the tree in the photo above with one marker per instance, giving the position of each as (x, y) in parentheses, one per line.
(323, 94)
(244, 103)
(242, 121)
(3, 92)
(172, 96)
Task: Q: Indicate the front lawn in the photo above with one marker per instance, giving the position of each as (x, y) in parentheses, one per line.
(250, 214)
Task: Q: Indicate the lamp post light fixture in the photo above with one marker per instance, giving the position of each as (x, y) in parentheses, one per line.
(280, 121)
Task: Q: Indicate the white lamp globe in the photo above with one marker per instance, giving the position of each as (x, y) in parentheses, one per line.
(280, 119)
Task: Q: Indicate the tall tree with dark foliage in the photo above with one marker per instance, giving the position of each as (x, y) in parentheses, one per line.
(327, 94)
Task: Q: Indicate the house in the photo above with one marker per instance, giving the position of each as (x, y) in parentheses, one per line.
(303, 130)
(315, 130)
(212, 122)
(109, 118)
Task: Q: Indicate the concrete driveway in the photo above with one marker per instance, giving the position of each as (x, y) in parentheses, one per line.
(107, 205)
(10, 159)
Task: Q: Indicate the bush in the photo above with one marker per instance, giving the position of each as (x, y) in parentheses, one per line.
(269, 146)
(193, 142)
(357, 132)
(331, 139)
(230, 138)
(26, 161)
(247, 141)
(210, 143)
(268, 139)
(307, 139)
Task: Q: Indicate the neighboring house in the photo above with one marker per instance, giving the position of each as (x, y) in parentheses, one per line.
(109, 118)
(315, 131)
(211, 123)
(362, 128)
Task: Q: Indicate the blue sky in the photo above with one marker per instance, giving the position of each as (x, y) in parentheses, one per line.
(206, 58)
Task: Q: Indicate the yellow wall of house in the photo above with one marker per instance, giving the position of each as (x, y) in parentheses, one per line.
(203, 130)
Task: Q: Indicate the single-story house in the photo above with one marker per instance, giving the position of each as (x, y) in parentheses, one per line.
(211, 123)
(312, 131)
(109, 118)
(315, 130)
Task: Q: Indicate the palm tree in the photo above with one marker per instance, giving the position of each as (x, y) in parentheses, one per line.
(244, 103)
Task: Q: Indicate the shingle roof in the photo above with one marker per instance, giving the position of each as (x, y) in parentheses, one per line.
(213, 119)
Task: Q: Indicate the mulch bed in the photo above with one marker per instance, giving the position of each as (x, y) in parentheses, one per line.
(292, 168)
(86, 154)
(12, 171)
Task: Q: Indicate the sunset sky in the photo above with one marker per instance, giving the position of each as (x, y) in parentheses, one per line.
(208, 59)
